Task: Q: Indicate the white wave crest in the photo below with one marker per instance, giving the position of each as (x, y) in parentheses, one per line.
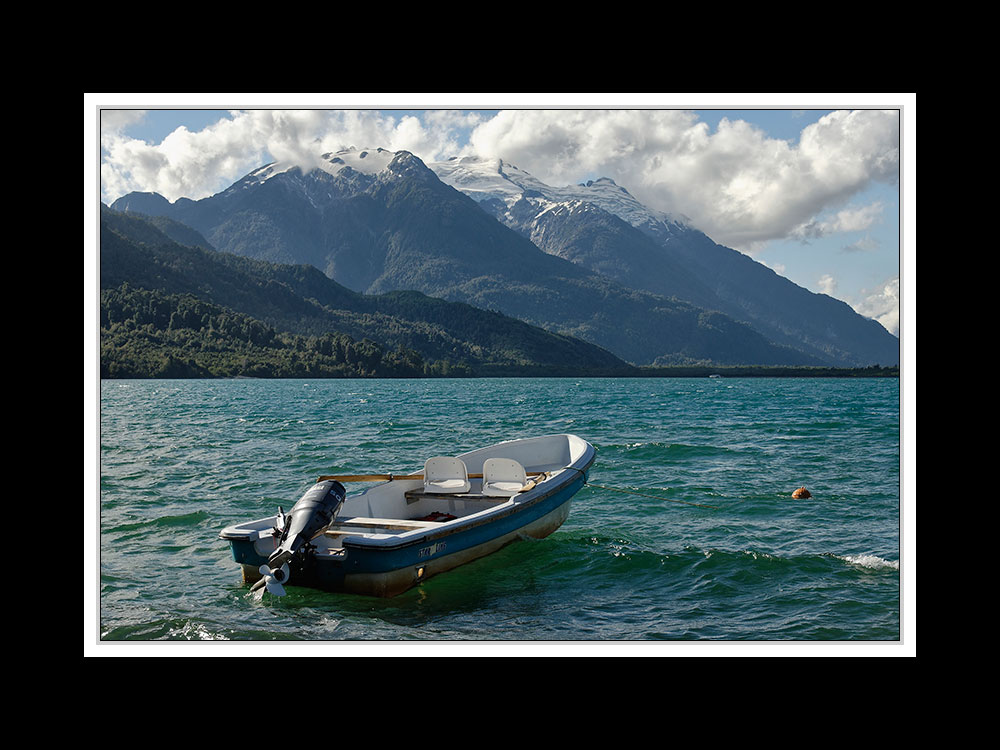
(871, 561)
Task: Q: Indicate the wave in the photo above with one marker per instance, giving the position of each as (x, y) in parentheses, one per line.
(186, 519)
(173, 629)
(664, 450)
(712, 561)
(873, 562)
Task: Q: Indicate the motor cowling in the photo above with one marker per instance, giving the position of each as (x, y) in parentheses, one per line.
(306, 520)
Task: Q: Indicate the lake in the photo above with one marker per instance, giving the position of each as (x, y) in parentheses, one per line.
(685, 534)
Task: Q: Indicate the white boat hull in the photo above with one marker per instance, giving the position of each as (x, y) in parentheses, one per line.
(376, 547)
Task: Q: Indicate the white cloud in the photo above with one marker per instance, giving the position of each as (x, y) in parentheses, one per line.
(850, 219)
(737, 184)
(827, 284)
(185, 163)
(437, 136)
(865, 244)
(114, 120)
(882, 305)
(198, 164)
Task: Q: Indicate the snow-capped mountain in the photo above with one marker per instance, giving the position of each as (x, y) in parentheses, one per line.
(587, 260)
(490, 180)
(598, 225)
(601, 226)
(365, 161)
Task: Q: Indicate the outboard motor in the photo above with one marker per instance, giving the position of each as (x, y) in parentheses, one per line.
(304, 522)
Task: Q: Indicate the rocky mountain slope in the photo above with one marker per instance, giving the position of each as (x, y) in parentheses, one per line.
(601, 226)
(300, 300)
(377, 221)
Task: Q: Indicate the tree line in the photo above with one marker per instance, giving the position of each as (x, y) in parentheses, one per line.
(151, 334)
(155, 334)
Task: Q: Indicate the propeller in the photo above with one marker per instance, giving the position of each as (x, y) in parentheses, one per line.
(271, 580)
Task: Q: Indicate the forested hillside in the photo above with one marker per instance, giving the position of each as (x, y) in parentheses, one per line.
(149, 334)
(170, 310)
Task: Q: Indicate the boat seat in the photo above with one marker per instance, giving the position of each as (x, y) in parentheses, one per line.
(446, 475)
(503, 477)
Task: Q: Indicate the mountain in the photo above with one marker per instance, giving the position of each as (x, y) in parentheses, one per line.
(215, 289)
(378, 221)
(601, 226)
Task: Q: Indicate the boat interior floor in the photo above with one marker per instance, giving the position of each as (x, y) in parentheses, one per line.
(375, 527)
(414, 496)
(434, 509)
(401, 524)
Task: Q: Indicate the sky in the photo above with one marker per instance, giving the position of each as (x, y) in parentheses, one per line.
(809, 185)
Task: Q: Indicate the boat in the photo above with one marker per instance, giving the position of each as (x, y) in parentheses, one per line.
(405, 528)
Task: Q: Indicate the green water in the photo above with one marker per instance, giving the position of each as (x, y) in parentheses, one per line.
(180, 460)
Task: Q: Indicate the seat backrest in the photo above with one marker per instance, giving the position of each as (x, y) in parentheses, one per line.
(503, 476)
(446, 474)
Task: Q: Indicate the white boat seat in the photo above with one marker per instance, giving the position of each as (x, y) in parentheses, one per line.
(446, 475)
(503, 477)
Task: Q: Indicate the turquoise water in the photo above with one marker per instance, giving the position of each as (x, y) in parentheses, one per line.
(639, 559)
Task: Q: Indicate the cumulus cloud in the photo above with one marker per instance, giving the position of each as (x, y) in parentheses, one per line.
(851, 219)
(827, 284)
(185, 164)
(737, 184)
(437, 135)
(198, 164)
(865, 244)
(114, 120)
(882, 304)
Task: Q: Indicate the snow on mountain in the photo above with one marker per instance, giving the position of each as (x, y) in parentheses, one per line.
(494, 179)
(366, 161)
(597, 225)
(482, 179)
(485, 179)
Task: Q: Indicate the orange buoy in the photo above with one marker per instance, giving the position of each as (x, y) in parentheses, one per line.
(801, 493)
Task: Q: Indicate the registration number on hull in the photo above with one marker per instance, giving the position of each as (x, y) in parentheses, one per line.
(432, 550)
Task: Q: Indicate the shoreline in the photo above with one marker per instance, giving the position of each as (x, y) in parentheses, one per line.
(699, 371)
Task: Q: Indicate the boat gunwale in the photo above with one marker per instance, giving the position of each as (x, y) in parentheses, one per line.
(465, 523)
(515, 505)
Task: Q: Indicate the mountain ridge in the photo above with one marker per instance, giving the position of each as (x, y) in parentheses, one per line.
(299, 299)
(664, 254)
(378, 221)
